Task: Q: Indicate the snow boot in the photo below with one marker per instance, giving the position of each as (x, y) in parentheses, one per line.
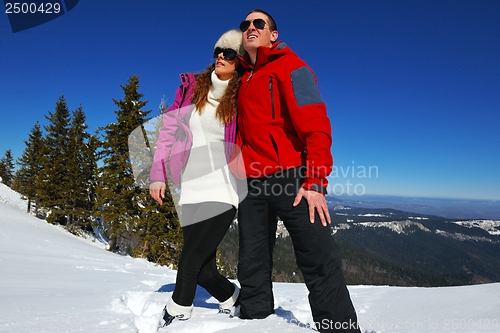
(174, 311)
(229, 306)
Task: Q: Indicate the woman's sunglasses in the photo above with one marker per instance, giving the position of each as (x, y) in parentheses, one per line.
(258, 23)
(228, 54)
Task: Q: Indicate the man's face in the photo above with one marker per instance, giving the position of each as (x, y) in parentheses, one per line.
(253, 37)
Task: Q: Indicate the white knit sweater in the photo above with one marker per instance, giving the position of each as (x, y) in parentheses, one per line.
(206, 176)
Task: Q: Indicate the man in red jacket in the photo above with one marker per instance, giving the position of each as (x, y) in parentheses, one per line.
(285, 137)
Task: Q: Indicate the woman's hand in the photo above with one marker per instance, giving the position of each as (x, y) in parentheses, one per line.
(157, 191)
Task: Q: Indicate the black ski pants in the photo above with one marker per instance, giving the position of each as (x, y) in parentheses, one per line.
(197, 262)
(315, 252)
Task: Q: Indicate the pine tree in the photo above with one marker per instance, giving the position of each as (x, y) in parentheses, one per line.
(90, 168)
(134, 221)
(52, 191)
(117, 194)
(7, 168)
(30, 167)
(159, 233)
(82, 165)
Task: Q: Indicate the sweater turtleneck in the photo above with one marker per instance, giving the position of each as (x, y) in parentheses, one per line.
(217, 90)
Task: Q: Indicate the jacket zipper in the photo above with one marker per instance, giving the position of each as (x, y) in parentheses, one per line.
(253, 66)
(272, 95)
(250, 76)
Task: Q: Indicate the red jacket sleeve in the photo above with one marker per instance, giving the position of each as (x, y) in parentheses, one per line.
(310, 119)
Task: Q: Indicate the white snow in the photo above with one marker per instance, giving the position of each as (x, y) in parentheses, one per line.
(52, 281)
(396, 226)
(491, 226)
(372, 215)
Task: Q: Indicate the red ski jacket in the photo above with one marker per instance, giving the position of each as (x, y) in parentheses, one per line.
(282, 119)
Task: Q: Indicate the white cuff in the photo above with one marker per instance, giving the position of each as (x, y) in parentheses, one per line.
(175, 309)
(229, 303)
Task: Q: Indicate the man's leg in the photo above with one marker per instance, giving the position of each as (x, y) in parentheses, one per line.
(317, 258)
(255, 255)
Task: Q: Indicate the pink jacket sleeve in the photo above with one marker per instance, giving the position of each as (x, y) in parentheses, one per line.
(166, 137)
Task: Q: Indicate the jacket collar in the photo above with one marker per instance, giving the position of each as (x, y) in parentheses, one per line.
(265, 55)
(187, 79)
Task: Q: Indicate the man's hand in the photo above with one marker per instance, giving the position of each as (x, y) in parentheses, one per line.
(315, 200)
(157, 191)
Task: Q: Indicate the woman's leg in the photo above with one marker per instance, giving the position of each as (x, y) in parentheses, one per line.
(210, 278)
(197, 263)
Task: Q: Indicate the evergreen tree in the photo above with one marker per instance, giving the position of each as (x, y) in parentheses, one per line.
(7, 168)
(117, 195)
(90, 168)
(53, 188)
(81, 169)
(30, 167)
(159, 233)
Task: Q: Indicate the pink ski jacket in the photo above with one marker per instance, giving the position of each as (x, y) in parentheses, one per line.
(175, 138)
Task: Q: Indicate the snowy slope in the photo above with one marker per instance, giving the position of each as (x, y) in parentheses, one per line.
(52, 281)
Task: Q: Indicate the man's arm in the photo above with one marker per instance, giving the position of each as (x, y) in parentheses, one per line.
(308, 114)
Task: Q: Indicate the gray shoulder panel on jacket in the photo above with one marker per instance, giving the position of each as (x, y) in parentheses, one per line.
(304, 87)
(281, 46)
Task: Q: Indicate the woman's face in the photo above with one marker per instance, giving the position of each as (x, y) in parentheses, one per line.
(225, 68)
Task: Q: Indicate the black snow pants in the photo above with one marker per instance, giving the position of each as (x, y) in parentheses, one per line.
(197, 263)
(315, 251)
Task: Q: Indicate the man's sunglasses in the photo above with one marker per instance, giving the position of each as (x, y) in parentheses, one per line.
(228, 54)
(258, 23)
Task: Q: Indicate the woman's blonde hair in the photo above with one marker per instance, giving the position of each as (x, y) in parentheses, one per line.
(226, 110)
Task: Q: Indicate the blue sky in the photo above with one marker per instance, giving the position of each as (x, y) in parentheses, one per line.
(412, 87)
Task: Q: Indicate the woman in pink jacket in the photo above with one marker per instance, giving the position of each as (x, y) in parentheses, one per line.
(193, 149)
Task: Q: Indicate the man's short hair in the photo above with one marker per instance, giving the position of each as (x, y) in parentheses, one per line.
(272, 23)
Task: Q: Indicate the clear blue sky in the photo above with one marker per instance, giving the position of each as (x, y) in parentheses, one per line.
(412, 87)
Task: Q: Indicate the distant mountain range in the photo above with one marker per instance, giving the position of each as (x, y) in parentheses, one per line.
(450, 208)
(381, 245)
(449, 251)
